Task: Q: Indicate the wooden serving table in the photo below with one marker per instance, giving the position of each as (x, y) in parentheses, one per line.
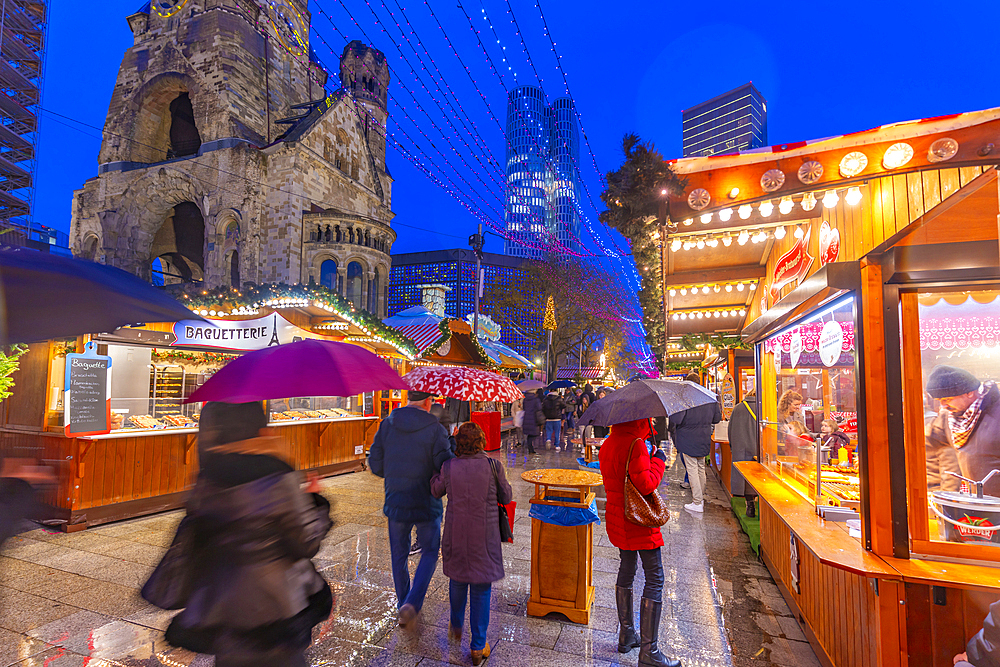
(562, 556)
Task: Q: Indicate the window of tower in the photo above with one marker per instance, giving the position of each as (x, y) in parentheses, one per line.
(353, 286)
(184, 136)
(328, 275)
(178, 247)
(233, 267)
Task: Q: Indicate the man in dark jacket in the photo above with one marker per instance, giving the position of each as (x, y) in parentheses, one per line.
(971, 414)
(409, 448)
(534, 420)
(743, 443)
(692, 431)
(554, 408)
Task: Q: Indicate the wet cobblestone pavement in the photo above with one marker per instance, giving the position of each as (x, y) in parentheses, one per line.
(69, 600)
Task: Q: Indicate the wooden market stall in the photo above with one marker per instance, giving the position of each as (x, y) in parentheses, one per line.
(881, 262)
(143, 454)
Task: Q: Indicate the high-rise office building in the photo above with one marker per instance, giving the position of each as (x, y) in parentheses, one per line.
(543, 180)
(24, 25)
(732, 122)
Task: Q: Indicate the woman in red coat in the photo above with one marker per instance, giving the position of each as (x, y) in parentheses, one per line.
(635, 541)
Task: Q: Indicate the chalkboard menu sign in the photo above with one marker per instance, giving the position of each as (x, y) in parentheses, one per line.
(88, 401)
(369, 403)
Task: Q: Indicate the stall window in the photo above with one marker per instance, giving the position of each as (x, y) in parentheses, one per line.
(951, 367)
(809, 406)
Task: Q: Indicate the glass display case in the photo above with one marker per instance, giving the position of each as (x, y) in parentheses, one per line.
(954, 409)
(809, 427)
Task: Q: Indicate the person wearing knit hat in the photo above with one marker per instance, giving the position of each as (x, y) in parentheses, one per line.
(969, 421)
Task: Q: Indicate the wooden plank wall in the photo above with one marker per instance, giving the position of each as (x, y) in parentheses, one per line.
(887, 206)
(935, 632)
(838, 606)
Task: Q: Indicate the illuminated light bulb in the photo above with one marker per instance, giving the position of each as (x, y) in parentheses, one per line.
(727, 240)
(743, 237)
(785, 205)
(743, 311)
(712, 243)
(684, 291)
(753, 286)
(853, 196)
(739, 287)
(734, 193)
(663, 192)
(676, 245)
(830, 199)
(808, 202)
(684, 316)
(729, 287)
(766, 208)
(688, 222)
(897, 155)
(212, 312)
(673, 292)
(725, 214)
(799, 233)
(779, 231)
(688, 245)
(676, 316)
(203, 312)
(706, 218)
(700, 315)
(704, 290)
(715, 314)
(745, 211)
(717, 289)
(701, 244)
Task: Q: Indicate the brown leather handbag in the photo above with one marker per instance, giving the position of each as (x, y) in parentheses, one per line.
(648, 510)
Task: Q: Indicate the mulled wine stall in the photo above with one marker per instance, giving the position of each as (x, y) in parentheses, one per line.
(876, 311)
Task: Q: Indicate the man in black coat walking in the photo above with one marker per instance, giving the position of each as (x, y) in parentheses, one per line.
(743, 444)
(692, 431)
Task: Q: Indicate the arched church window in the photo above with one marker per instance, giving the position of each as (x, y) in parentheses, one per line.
(353, 285)
(184, 137)
(328, 275)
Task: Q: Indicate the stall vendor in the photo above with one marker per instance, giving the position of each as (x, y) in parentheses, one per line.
(790, 409)
(970, 420)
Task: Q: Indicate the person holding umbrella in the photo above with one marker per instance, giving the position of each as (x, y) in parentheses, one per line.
(692, 431)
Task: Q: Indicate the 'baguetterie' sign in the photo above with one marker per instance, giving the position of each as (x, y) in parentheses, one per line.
(238, 334)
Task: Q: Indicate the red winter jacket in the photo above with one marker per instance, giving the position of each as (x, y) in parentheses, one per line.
(646, 473)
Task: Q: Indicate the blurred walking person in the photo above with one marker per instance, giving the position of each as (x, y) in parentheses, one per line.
(625, 449)
(470, 548)
(240, 563)
(534, 419)
(409, 448)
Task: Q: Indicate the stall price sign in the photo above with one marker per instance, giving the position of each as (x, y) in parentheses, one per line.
(88, 393)
(728, 396)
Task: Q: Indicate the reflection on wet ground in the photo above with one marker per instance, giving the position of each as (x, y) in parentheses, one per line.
(68, 600)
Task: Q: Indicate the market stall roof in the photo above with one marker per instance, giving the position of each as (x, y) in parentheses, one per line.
(311, 307)
(419, 325)
(587, 373)
(504, 355)
(733, 207)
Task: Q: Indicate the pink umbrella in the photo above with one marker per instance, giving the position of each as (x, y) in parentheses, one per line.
(306, 368)
(465, 384)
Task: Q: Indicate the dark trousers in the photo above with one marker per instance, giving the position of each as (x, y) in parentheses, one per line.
(652, 566)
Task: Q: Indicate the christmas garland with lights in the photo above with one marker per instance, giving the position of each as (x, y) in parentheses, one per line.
(692, 342)
(194, 358)
(436, 345)
(230, 299)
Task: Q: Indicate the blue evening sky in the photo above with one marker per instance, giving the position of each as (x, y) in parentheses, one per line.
(825, 68)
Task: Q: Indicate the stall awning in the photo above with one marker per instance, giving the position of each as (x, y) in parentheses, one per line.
(418, 324)
(587, 373)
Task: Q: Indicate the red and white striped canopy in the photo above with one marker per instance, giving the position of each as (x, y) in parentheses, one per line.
(422, 335)
(464, 384)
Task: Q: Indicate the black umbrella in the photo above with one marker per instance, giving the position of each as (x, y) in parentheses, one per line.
(561, 384)
(45, 296)
(646, 398)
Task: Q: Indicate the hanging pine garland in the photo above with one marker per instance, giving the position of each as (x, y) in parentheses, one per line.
(692, 342)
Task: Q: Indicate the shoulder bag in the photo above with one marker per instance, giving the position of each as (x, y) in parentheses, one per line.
(172, 582)
(506, 534)
(648, 510)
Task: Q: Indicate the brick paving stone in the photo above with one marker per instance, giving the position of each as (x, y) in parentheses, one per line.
(67, 598)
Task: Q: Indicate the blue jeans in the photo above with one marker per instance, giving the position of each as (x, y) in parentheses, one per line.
(479, 609)
(552, 427)
(429, 537)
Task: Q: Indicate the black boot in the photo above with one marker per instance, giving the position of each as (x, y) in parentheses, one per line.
(627, 639)
(649, 629)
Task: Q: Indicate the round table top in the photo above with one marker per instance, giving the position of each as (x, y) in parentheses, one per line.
(562, 477)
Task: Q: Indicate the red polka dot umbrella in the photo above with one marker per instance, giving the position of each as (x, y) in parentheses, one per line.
(464, 384)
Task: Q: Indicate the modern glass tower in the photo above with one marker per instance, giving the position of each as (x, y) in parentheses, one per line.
(543, 180)
(732, 122)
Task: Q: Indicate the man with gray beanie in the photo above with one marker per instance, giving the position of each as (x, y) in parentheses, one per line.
(409, 448)
(969, 420)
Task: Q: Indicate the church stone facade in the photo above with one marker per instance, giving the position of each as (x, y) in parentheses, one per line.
(224, 161)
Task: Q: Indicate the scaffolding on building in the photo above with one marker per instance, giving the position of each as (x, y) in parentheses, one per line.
(23, 26)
